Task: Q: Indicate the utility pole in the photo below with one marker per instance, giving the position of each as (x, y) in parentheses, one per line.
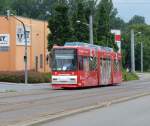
(91, 29)
(141, 57)
(26, 45)
(90, 26)
(132, 52)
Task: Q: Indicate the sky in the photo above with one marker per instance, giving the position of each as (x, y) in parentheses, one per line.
(128, 8)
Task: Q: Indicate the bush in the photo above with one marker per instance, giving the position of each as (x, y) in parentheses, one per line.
(18, 77)
(128, 76)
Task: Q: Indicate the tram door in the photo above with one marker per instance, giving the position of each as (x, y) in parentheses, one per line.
(105, 71)
(88, 70)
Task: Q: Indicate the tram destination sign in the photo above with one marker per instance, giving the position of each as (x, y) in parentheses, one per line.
(4, 42)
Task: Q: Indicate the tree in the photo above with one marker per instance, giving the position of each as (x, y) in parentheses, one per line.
(59, 25)
(116, 22)
(32, 8)
(23, 7)
(142, 37)
(5, 4)
(137, 20)
(138, 24)
(80, 29)
(105, 11)
(145, 39)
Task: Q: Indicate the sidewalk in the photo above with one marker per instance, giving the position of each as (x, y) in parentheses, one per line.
(10, 87)
(143, 76)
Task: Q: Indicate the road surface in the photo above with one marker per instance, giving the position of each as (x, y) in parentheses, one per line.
(132, 113)
(19, 108)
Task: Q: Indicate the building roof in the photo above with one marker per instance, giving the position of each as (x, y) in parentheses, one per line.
(21, 17)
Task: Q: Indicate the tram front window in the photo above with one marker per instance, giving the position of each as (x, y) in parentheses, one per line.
(64, 60)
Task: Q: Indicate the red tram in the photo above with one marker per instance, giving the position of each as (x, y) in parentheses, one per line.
(77, 65)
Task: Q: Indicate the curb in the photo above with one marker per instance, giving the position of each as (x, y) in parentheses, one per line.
(61, 115)
(23, 84)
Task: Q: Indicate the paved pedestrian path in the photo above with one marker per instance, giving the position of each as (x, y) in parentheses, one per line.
(13, 87)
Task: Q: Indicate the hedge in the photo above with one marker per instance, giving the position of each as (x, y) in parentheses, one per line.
(37, 77)
(18, 77)
(128, 76)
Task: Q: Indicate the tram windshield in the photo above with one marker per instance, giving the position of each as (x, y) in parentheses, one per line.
(64, 60)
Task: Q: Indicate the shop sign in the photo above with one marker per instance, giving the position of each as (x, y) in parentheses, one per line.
(20, 39)
(4, 42)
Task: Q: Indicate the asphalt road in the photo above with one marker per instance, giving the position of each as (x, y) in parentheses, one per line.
(18, 108)
(131, 113)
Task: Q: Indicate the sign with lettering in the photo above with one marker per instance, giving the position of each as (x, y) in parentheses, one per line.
(117, 34)
(4, 40)
(20, 39)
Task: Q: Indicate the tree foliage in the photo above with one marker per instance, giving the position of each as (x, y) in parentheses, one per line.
(105, 12)
(79, 23)
(64, 27)
(137, 20)
(59, 25)
(142, 31)
(5, 4)
(28, 8)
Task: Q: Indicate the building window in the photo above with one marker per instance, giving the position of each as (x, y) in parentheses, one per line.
(41, 61)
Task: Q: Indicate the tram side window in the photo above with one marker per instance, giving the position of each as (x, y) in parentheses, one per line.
(109, 62)
(116, 66)
(92, 63)
(80, 59)
(105, 62)
(101, 62)
(86, 63)
(120, 65)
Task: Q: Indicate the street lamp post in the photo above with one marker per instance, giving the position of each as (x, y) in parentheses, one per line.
(90, 26)
(91, 29)
(140, 33)
(141, 57)
(26, 46)
(133, 52)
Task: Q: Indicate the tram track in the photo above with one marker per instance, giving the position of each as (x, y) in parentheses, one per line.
(39, 92)
(49, 95)
(58, 99)
(27, 106)
(35, 93)
(48, 113)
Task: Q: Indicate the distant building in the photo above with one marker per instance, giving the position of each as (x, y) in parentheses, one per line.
(12, 44)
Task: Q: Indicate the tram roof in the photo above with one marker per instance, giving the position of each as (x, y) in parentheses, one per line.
(82, 44)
